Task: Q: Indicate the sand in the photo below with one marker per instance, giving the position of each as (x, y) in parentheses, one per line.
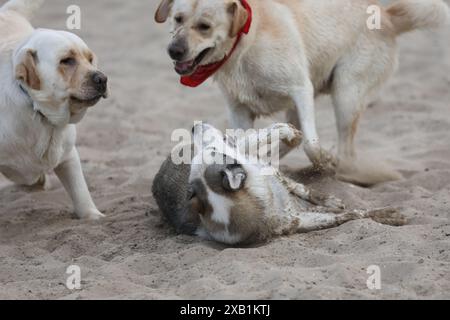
(123, 140)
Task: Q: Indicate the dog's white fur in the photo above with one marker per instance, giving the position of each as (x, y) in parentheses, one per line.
(297, 50)
(36, 134)
(260, 206)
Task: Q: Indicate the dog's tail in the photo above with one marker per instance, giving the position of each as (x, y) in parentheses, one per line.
(26, 8)
(408, 15)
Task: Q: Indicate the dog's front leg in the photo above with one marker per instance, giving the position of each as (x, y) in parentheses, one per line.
(71, 175)
(303, 97)
(276, 137)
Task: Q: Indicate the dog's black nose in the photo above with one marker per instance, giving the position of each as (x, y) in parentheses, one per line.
(177, 51)
(100, 81)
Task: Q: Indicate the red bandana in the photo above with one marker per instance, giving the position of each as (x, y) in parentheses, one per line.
(204, 72)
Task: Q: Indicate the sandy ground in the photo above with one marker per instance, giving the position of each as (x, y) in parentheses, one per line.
(123, 141)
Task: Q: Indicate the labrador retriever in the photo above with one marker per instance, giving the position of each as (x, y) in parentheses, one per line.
(48, 80)
(275, 55)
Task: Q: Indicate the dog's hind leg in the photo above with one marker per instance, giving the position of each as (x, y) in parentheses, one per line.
(313, 221)
(357, 78)
(348, 109)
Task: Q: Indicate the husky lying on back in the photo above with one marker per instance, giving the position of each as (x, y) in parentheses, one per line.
(230, 201)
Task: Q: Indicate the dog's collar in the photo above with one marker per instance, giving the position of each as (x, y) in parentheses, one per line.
(24, 91)
(31, 103)
(204, 72)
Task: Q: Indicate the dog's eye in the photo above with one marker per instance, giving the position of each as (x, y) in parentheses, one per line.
(68, 61)
(204, 27)
(179, 19)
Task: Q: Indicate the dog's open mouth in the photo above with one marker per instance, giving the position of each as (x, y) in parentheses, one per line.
(188, 67)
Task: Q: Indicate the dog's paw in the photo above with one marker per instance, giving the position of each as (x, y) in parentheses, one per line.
(323, 161)
(388, 216)
(289, 134)
(90, 214)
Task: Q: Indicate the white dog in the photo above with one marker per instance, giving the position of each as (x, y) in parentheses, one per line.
(229, 201)
(48, 79)
(274, 55)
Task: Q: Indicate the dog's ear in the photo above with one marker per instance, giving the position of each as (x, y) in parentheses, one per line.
(238, 16)
(163, 11)
(26, 70)
(233, 177)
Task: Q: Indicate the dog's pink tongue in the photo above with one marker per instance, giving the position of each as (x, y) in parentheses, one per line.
(183, 67)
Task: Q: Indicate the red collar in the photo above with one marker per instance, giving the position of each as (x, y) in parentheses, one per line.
(204, 72)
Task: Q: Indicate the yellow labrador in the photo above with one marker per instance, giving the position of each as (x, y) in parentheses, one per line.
(275, 55)
(48, 79)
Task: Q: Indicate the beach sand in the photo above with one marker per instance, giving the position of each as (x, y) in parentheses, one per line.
(132, 253)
